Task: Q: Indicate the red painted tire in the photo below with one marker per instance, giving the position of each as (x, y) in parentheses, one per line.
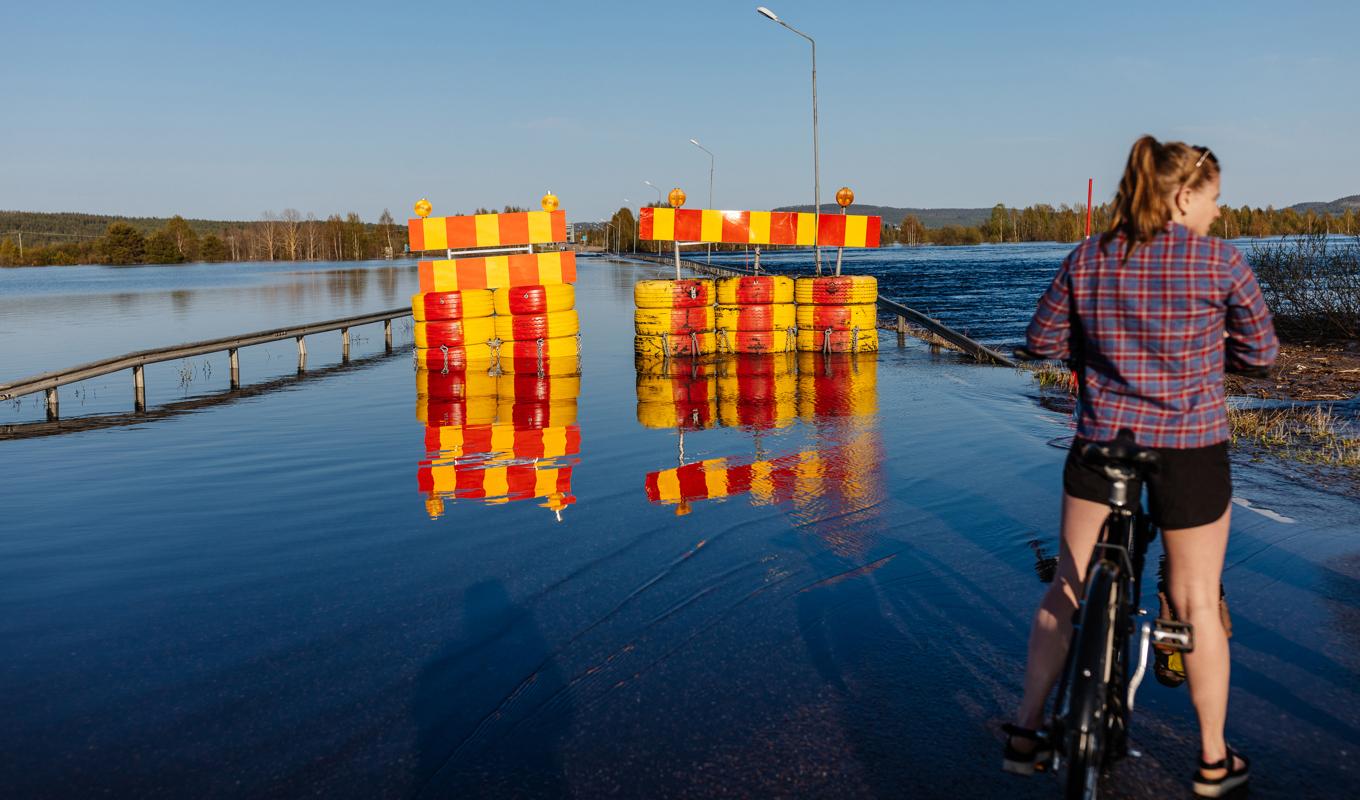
(755, 290)
(535, 299)
(451, 305)
(836, 290)
(532, 327)
(454, 332)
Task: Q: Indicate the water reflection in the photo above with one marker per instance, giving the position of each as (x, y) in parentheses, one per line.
(497, 438)
(834, 397)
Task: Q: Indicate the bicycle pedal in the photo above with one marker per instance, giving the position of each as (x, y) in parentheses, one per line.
(1173, 635)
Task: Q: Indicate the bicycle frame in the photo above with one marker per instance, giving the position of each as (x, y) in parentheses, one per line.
(1116, 560)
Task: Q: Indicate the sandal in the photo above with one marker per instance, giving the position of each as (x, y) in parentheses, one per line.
(1231, 779)
(1026, 763)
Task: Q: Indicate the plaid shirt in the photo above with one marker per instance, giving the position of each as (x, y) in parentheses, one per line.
(1153, 334)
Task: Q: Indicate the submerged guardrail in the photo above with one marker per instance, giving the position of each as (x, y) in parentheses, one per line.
(50, 381)
(904, 313)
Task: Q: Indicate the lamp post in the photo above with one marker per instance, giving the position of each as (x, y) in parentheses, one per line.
(816, 164)
(711, 162)
(660, 200)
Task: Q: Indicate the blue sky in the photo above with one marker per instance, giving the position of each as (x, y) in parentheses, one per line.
(228, 110)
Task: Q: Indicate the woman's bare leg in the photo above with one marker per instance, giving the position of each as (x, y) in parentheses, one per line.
(1052, 628)
(1195, 564)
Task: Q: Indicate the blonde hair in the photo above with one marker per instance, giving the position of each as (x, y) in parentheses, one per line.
(1155, 172)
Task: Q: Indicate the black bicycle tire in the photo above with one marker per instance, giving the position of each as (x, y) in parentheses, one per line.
(1085, 723)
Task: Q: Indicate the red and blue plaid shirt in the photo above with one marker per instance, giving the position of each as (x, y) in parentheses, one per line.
(1148, 335)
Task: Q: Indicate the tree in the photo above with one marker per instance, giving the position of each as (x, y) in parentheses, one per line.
(388, 227)
(161, 249)
(122, 244)
(9, 252)
(186, 241)
(290, 225)
(354, 236)
(211, 248)
(269, 234)
(911, 231)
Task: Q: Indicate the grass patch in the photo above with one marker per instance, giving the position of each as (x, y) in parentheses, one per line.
(1312, 434)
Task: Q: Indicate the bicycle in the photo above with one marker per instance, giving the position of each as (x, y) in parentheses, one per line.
(1090, 724)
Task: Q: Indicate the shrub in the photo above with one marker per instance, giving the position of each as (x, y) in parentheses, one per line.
(1312, 284)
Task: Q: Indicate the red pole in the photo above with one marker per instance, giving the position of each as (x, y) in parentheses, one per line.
(1090, 183)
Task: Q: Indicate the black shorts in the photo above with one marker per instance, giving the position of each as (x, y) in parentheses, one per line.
(1191, 487)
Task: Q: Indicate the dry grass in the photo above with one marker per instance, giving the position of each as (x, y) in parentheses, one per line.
(1312, 434)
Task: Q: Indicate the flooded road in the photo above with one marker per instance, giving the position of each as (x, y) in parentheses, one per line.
(789, 576)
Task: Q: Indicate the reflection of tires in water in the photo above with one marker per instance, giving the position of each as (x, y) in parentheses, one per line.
(1086, 723)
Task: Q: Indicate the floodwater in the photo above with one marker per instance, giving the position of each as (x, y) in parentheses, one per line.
(788, 576)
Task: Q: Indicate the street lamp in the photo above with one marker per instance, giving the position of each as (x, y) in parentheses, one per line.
(816, 165)
(711, 162)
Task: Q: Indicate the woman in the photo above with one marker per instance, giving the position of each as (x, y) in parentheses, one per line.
(1152, 312)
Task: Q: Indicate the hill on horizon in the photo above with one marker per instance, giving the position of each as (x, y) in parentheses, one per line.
(1337, 207)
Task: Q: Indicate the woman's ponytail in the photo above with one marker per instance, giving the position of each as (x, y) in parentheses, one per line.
(1155, 171)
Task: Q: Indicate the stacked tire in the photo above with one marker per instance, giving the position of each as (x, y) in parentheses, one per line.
(673, 318)
(538, 329)
(453, 329)
(755, 314)
(837, 314)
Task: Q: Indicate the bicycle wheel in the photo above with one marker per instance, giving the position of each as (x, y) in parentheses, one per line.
(1086, 714)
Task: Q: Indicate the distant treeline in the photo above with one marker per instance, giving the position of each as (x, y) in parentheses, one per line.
(33, 239)
(1038, 223)
(1045, 223)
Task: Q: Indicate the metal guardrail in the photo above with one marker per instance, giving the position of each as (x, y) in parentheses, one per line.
(49, 381)
(969, 346)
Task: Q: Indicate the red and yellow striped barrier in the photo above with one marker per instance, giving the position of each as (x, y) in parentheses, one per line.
(758, 227)
(487, 230)
(497, 272)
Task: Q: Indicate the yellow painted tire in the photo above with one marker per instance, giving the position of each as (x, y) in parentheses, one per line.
(754, 341)
(454, 332)
(863, 316)
(555, 357)
(532, 327)
(451, 305)
(670, 416)
(748, 290)
(672, 321)
(836, 291)
(440, 413)
(534, 299)
(840, 341)
(769, 317)
(685, 293)
(455, 359)
(692, 344)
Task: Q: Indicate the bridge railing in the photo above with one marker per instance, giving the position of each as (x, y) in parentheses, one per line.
(50, 381)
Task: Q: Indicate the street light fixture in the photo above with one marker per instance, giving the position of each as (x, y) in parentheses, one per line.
(711, 162)
(816, 164)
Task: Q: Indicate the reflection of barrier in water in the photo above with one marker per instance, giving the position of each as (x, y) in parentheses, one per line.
(835, 394)
(509, 438)
(497, 389)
